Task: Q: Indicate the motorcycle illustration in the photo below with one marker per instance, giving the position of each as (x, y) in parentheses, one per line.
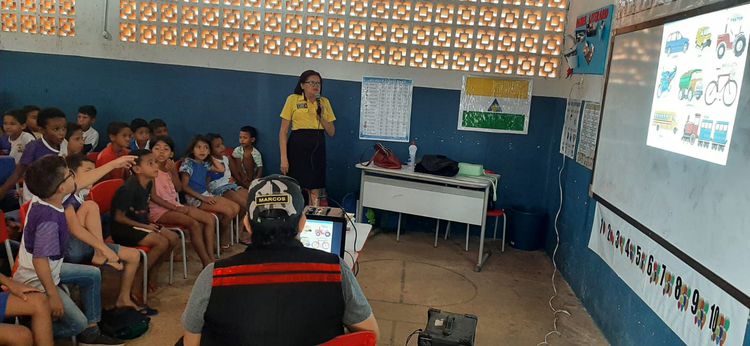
(666, 81)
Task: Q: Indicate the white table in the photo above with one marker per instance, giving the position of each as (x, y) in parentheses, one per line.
(458, 199)
(362, 232)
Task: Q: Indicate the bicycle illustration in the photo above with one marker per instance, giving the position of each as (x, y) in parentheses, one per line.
(727, 91)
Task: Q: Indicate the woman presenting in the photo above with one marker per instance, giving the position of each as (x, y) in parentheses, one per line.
(303, 152)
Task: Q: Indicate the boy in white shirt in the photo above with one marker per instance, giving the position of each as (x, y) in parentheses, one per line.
(16, 137)
(86, 119)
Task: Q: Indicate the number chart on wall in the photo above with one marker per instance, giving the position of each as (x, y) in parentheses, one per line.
(700, 73)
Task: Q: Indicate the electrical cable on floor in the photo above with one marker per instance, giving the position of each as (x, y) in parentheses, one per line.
(355, 264)
(554, 263)
(410, 335)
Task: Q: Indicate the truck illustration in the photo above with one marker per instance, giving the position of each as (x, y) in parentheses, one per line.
(703, 38)
(691, 85)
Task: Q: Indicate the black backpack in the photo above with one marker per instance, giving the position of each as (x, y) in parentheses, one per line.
(437, 165)
(124, 323)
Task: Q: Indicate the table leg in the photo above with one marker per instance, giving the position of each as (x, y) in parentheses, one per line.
(482, 256)
(358, 217)
(398, 229)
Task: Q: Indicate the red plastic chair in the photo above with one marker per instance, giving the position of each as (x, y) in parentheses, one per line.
(93, 155)
(4, 239)
(103, 193)
(365, 338)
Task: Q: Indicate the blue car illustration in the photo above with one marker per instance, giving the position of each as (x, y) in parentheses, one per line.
(676, 43)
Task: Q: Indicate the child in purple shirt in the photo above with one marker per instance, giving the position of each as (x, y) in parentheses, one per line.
(53, 124)
(43, 247)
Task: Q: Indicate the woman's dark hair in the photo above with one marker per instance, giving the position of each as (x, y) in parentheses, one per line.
(72, 127)
(167, 140)
(76, 160)
(45, 175)
(303, 78)
(195, 141)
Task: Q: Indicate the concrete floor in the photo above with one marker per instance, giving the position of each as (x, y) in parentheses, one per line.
(403, 279)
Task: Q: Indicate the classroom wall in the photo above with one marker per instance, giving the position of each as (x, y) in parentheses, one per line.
(196, 100)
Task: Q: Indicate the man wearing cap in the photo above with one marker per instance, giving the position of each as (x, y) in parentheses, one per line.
(277, 292)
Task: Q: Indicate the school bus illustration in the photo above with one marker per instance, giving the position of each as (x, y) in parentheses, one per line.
(665, 121)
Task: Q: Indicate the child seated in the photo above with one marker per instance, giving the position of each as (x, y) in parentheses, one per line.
(119, 145)
(40, 260)
(165, 207)
(248, 160)
(141, 134)
(222, 183)
(16, 136)
(21, 300)
(86, 119)
(194, 177)
(53, 124)
(130, 214)
(73, 143)
(32, 113)
(88, 246)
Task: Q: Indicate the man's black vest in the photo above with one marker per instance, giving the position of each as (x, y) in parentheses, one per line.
(287, 295)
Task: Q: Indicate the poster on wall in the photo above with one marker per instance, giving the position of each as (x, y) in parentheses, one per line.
(698, 82)
(589, 133)
(497, 105)
(592, 34)
(385, 114)
(570, 128)
(698, 311)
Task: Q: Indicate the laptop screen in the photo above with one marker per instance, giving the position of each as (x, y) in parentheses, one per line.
(324, 234)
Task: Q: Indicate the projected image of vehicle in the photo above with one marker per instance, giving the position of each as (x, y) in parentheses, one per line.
(691, 85)
(703, 38)
(724, 87)
(665, 121)
(676, 43)
(690, 132)
(733, 38)
(712, 135)
(665, 84)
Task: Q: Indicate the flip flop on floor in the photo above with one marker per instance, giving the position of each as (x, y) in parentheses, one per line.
(147, 311)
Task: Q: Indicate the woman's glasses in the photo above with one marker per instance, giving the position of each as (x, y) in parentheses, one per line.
(313, 84)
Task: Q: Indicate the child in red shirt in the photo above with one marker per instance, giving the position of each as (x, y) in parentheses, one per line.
(119, 137)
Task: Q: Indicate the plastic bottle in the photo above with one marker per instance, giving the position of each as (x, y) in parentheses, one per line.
(412, 154)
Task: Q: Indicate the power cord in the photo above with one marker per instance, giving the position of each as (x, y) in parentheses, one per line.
(556, 311)
(355, 264)
(410, 335)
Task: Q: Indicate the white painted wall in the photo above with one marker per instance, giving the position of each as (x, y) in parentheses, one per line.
(89, 42)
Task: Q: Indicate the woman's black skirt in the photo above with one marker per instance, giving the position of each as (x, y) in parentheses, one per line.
(306, 151)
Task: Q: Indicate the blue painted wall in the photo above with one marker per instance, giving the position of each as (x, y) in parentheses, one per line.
(197, 100)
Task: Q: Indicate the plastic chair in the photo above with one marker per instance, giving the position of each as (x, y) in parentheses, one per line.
(4, 239)
(7, 166)
(496, 213)
(102, 194)
(92, 155)
(365, 338)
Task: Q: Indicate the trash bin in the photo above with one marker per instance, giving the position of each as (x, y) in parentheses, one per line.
(527, 228)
